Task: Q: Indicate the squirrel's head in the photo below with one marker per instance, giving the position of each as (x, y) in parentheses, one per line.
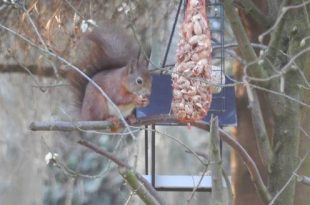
(139, 78)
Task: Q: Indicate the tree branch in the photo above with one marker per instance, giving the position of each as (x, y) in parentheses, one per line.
(45, 71)
(250, 164)
(228, 186)
(255, 69)
(276, 43)
(264, 146)
(304, 180)
(247, 51)
(97, 125)
(167, 120)
(217, 196)
(133, 182)
(273, 8)
(70, 126)
(284, 9)
(137, 182)
(289, 180)
(257, 15)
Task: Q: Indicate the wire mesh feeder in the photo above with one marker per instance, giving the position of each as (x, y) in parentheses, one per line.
(223, 104)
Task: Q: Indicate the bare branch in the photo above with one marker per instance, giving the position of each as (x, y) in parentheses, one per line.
(286, 68)
(197, 186)
(256, 177)
(96, 125)
(34, 27)
(264, 146)
(101, 125)
(273, 8)
(228, 187)
(34, 69)
(69, 126)
(289, 180)
(129, 197)
(303, 179)
(250, 164)
(217, 195)
(133, 182)
(257, 15)
(304, 132)
(131, 176)
(280, 17)
(246, 49)
(290, 98)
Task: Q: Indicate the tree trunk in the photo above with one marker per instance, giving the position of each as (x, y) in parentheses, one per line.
(287, 114)
(286, 119)
(302, 191)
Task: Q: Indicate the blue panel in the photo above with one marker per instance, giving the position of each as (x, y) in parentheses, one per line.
(223, 104)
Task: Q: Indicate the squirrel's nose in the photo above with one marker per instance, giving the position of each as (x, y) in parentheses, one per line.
(147, 93)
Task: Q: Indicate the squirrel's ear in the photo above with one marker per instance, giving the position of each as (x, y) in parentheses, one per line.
(132, 65)
(142, 59)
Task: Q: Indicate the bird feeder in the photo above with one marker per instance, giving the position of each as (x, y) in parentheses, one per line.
(222, 104)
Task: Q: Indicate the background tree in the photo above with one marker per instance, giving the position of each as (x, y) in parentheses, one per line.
(279, 75)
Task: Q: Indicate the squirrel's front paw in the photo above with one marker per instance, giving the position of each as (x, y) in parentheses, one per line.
(131, 119)
(116, 124)
(142, 101)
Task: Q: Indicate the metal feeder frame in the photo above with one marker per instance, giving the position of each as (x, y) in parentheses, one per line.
(187, 183)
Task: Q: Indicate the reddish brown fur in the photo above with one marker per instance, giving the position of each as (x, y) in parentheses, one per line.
(94, 104)
(111, 58)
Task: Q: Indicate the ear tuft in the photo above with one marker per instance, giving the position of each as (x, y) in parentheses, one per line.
(132, 65)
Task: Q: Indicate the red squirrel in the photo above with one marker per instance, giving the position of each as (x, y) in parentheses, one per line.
(111, 58)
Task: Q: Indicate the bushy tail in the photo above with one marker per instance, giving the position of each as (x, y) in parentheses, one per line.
(106, 47)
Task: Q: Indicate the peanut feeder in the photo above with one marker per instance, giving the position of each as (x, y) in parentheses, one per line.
(192, 73)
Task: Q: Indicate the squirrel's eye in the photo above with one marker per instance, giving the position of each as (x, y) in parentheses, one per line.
(139, 81)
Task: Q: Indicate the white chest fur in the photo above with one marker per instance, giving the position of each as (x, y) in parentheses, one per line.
(126, 110)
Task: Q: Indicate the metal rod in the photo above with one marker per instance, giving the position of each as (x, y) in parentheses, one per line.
(222, 51)
(171, 34)
(153, 155)
(146, 145)
(221, 145)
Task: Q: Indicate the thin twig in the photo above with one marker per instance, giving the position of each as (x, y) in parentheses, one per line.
(228, 187)
(197, 186)
(101, 125)
(132, 180)
(128, 170)
(132, 193)
(273, 92)
(304, 180)
(287, 67)
(293, 176)
(279, 19)
(34, 27)
(250, 164)
(304, 132)
(257, 180)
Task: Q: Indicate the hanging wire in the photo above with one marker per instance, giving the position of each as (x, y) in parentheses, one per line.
(171, 34)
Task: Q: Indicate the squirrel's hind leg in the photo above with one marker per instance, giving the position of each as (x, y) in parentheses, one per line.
(94, 107)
